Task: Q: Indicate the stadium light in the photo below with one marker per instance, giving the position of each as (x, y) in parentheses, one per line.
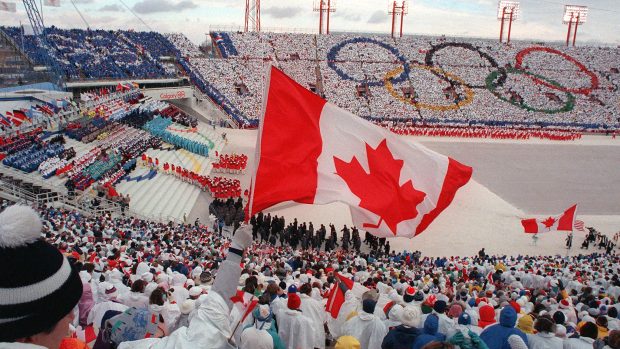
(252, 15)
(396, 10)
(574, 14)
(327, 7)
(507, 11)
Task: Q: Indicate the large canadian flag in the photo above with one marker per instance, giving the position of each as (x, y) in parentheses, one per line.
(562, 222)
(310, 151)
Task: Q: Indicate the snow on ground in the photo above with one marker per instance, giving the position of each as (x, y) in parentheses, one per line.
(478, 216)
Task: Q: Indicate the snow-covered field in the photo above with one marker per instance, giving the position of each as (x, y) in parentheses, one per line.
(512, 180)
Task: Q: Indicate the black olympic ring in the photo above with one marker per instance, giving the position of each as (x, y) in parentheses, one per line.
(428, 60)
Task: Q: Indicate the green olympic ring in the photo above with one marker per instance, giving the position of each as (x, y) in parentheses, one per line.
(492, 87)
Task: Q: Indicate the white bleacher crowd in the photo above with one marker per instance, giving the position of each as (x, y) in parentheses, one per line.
(184, 45)
(139, 284)
(470, 62)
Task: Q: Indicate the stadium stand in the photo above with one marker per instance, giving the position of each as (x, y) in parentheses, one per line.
(423, 80)
(100, 54)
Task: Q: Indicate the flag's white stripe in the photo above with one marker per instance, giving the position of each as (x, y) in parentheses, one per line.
(344, 136)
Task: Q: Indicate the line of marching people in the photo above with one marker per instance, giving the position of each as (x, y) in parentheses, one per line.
(218, 187)
(491, 133)
(230, 163)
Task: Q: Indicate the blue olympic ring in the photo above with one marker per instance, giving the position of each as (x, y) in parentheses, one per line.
(333, 52)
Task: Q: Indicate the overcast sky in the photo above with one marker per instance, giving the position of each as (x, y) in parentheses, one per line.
(541, 19)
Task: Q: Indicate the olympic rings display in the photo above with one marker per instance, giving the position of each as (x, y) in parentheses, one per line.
(568, 105)
(428, 59)
(333, 53)
(594, 83)
(469, 94)
(493, 81)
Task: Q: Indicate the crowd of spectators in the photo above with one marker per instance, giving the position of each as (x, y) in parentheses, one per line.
(32, 151)
(436, 80)
(100, 54)
(185, 47)
(141, 284)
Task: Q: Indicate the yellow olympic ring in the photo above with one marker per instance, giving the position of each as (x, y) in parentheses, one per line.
(469, 93)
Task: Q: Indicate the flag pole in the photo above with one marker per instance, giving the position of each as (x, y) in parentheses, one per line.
(258, 138)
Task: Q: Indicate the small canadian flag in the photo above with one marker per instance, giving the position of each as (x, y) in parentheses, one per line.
(311, 151)
(562, 222)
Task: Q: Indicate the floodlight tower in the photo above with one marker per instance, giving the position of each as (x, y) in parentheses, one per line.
(324, 7)
(395, 10)
(507, 11)
(252, 16)
(574, 14)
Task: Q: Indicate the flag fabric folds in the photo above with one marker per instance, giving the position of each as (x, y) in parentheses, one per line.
(562, 222)
(21, 115)
(14, 120)
(310, 151)
(4, 121)
(579, 225)
(337, 293)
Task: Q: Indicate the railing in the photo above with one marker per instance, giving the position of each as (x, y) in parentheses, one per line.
(21, 186)
(13, 186)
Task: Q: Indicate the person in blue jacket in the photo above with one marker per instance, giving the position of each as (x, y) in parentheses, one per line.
(496, 336)
(403, 336)
(429, 333)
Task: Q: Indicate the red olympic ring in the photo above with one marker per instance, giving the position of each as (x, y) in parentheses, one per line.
(594, 83)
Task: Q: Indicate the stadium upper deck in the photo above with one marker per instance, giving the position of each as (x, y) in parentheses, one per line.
(400, 82)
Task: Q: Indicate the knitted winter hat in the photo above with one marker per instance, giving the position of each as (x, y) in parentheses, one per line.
(262, 313)
(559, 317)
(292, 289)
(565, 303)
(464, 319)
(440, 306)
(38, 286)
(418, 297)
(293, 301)
(409, 294)
(368, 305)
(455, 311)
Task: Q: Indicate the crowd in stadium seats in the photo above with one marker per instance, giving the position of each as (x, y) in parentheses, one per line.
(186, 48)
(100, 54)
(197, 286)
(33, 152)
(435, 80)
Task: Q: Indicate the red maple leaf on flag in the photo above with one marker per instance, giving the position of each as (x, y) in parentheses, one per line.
(549, 222)
(379, 190)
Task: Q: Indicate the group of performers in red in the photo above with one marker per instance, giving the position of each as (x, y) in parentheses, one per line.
(218, 187)
(231, 163)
